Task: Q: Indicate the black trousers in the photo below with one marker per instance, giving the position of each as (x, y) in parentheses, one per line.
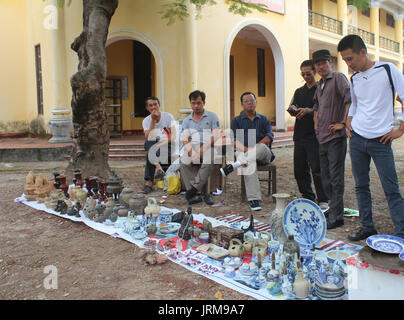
(306, 162)
(332, 162)
(163, 156)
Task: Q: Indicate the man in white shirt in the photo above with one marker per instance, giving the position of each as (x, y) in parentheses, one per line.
(371, 132)
(159, 131)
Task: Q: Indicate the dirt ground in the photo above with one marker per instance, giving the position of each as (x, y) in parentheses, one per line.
(93, 266)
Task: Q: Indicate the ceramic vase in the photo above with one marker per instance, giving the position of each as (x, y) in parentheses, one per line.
(301, 286)
(276, 222)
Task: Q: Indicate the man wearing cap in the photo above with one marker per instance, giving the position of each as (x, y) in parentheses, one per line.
(331, 103)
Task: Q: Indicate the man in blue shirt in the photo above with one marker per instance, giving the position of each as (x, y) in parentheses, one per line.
(252, 135)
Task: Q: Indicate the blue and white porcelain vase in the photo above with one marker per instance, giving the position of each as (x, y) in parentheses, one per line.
(276, 221)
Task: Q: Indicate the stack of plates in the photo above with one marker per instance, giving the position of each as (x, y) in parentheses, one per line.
(329, 287)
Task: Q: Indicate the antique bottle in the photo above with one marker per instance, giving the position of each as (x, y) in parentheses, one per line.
(301, 286)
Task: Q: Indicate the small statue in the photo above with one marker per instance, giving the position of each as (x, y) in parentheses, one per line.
(186, 230)
(61, 207)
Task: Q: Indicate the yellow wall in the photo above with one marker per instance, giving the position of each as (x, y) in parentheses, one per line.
(13, 66)
(385, 30)
(245, 77)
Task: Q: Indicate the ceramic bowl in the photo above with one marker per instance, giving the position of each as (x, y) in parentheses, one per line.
(331, 255)
(204, 237)
(229, 272)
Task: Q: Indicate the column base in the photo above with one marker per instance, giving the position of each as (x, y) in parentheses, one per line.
(61, 126)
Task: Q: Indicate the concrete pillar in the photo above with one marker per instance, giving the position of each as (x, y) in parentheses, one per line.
(399, 38)
(61, 122)
(374, 28)
(342, 15)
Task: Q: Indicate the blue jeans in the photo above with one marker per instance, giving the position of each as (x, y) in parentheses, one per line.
(362, 151)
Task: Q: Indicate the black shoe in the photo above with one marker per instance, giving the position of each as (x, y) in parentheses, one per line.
(361, 234)
(255, 205)
(146, 189)
(190, 193)
(195, 199)
(335, 224)
(209, 199)
(226, 170)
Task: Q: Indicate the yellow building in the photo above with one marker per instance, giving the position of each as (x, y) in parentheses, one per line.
(221, 53)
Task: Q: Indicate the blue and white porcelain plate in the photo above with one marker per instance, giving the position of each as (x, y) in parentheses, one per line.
(401, 255)
(305, 220)
(386, 243)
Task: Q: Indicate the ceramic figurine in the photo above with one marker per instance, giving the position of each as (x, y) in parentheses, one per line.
(186, 230)
(291, 247)
(287, 287)
(61, 207)
(276, 220)
(42, 188)
(301, 286)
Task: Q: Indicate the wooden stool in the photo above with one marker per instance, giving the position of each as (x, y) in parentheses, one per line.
(271, 168)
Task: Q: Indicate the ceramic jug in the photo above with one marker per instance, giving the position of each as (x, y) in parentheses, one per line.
(276, 220)
(236, 248)
(301, 286)
(153, 209)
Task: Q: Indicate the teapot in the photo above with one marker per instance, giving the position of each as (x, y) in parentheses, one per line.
(248, 243)
(153, 209)
(236, 248)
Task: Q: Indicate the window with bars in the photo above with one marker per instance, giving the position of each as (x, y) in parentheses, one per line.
(38, 70)
(261, 72)
(390, 20)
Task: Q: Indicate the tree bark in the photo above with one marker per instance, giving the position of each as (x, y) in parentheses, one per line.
(90, 123)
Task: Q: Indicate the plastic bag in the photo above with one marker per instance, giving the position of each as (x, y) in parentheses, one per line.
(173, 184)
(172, 180)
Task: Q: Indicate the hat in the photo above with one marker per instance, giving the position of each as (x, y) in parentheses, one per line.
(321, 55)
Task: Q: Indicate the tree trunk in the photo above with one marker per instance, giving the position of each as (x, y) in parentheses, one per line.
(91, 135)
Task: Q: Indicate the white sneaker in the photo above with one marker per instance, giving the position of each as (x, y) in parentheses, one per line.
(323, 205)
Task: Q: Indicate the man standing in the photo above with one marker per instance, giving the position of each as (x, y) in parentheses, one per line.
(252, 133)
(331, 102)
(200, 130)
(306, 154)
(371, 132)
(159, 131)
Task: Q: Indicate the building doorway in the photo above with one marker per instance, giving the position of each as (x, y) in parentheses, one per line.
(132, 62)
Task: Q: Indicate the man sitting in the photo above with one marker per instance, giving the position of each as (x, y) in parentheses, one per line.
(252, 133)
(200, 130)
(159, 131)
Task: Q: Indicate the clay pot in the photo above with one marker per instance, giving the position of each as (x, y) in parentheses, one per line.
(151, 229)
(236, 248)
(248, 243)
(137, 203)
(125, 196)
